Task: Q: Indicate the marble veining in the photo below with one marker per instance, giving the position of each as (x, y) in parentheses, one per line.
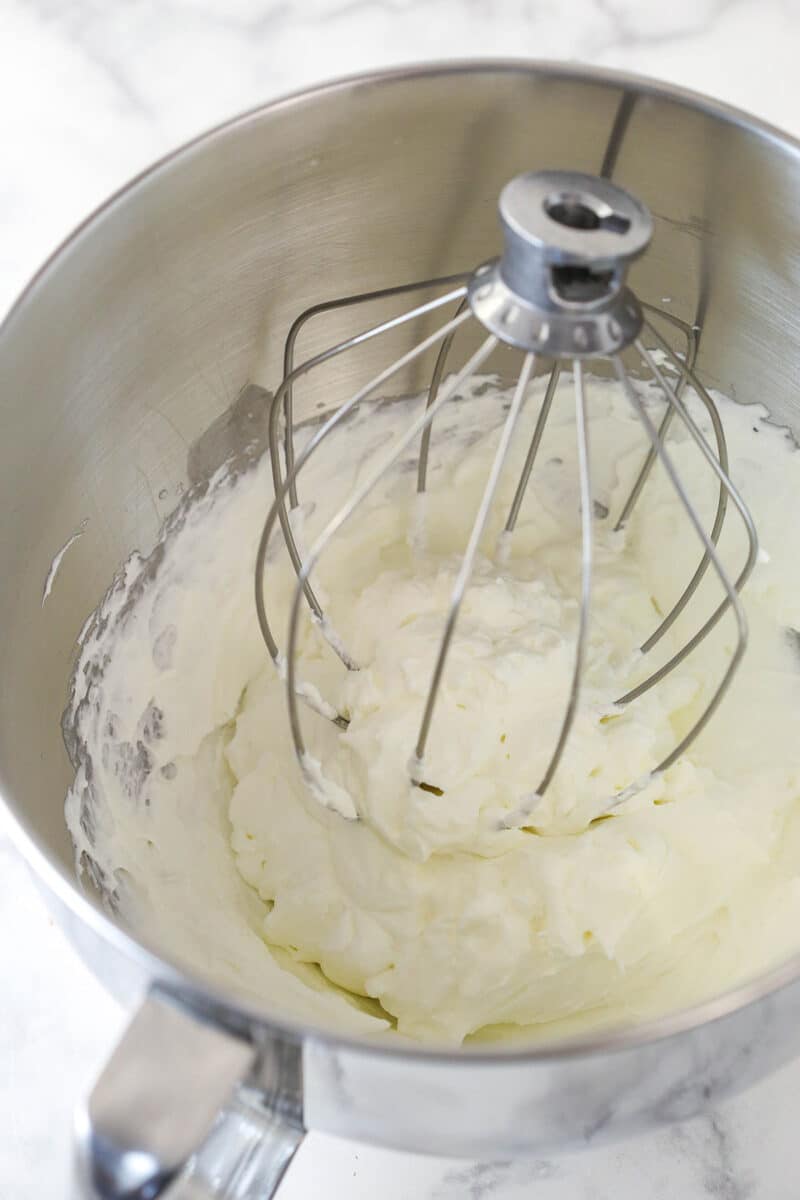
(478, 1181)
(91, 91)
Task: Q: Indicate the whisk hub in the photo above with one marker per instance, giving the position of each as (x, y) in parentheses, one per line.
(559, 287)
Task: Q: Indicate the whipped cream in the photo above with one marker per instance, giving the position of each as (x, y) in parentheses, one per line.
(479, 906)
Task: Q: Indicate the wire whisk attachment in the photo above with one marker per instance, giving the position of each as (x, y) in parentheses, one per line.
(558, 295)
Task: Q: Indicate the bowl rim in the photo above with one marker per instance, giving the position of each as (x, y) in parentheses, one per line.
(189, 983)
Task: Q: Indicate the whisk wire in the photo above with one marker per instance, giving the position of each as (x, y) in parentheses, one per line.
(468, 561)
(686, 372)
(712, 557)
(533, 449)
(359, 494)
(651, 456)
(284, 390)
(315, 310)
(282, 488)
(585, 488)
(433, 389)
(685, 367)
(732, 598)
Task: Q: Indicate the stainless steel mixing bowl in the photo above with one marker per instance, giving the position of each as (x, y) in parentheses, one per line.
(135, 338)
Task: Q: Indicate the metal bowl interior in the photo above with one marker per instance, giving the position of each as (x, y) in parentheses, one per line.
(142, 329)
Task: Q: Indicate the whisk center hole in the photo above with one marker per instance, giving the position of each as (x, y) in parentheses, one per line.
(584, 212)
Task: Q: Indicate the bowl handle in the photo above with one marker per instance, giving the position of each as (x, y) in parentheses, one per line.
(186, 1105)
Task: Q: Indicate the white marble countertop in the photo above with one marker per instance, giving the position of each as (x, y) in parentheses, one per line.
(90, 92)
